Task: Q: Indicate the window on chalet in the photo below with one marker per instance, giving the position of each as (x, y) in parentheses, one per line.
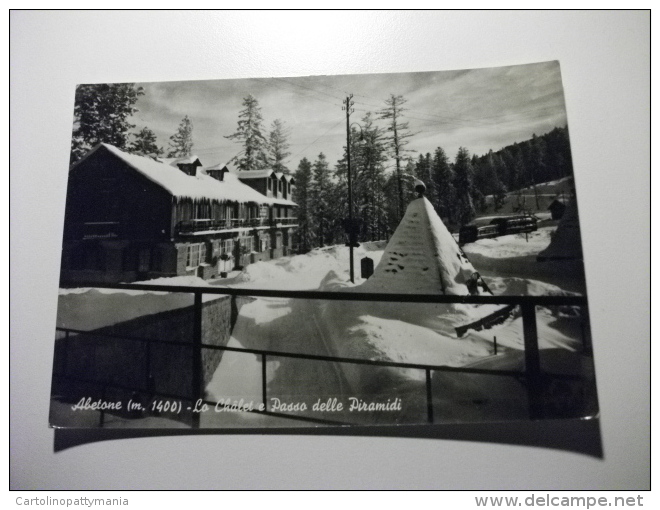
(202, 211)
(87, 256)
(144, 260)
(228, 247)
(247, 244)
(196, 255)
(264, 243)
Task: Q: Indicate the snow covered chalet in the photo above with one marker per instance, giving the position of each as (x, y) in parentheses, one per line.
(132, 218)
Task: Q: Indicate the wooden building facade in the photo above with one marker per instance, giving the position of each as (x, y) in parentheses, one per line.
(132, 218)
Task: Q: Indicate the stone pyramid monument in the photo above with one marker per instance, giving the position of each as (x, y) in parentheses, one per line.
(422, 257)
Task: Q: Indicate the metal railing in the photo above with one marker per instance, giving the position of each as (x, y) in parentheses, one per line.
(532, 375)
(202, 225)
(288, 221)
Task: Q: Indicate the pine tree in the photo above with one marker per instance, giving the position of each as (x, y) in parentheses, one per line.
(509, 174)
(101, 114)
(518, 171)
(393, 112)
(424, 172)
(181, 142)
(320, 203)
(463, 176)
(499, 194)
(487, 181)
(443, 178)
(391, 192)
(254, 155)
(538, 165)
(558, 153)
(370, 179)
(301, 196)
(368, 157)
(278, 146)
(144, 143)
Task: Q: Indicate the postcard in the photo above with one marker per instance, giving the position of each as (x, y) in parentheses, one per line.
(322, 251)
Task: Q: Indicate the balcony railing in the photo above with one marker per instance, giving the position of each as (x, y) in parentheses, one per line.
(100, 229)
(204, 225)
(283, 222)
(532, 375)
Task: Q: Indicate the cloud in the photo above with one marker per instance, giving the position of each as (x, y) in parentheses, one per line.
(479, 109)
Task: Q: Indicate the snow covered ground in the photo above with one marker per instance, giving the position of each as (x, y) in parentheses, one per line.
(397, 332)
(514, 256)
(406, 333)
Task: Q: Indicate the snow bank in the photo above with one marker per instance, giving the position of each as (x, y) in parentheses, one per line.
(566, 242)
(512, 245)
(304, 272)
(87, 309)
(183, 281)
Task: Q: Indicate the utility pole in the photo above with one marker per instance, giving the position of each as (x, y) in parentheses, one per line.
(349, 226)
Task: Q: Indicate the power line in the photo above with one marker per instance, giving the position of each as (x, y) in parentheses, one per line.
(309, 88)
(307, 95)
(445, 117)
(483, 120)
(333, 127)
(462, 120)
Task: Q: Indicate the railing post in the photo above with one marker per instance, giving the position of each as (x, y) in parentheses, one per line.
(586, 338)
(197, 374)
(149, 380)
(264, 381)
(233, 316)
(65, 356)
(429, 396)
(532, 361)
(102, 412)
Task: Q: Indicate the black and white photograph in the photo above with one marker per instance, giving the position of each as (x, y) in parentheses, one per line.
(382, 249)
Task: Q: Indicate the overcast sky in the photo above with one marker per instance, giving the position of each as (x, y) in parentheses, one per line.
(479, 109)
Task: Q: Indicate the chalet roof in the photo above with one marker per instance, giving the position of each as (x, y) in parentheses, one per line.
(255, 174)
(260, 174)
(181, 185)
(186, 160)
(219, 166)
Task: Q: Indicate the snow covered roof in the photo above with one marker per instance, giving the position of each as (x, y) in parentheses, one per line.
(260, 174)
(422, 257)
(186, 160)
(281, 201)
(181, 185)
(219, 166)
(255, 174)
